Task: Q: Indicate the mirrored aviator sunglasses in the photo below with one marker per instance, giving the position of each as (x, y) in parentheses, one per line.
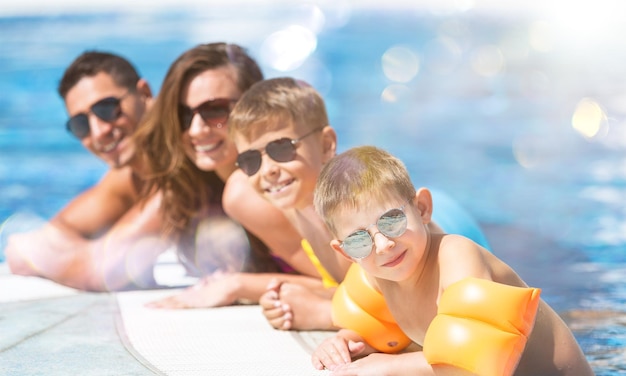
(214, 112)
(360, 243)
(107, 109)
(281, 150)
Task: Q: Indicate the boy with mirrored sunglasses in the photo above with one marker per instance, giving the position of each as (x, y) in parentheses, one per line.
(469, 311)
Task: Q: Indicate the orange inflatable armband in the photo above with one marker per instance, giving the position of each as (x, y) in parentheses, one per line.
(358, 306)
(482, 326)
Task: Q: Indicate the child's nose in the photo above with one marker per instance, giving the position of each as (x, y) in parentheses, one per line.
(268, 165)
(383, 243)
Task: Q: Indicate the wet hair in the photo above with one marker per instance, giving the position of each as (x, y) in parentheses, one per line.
(275, 103)
(90, 63)
(357, 177)
(159, 135)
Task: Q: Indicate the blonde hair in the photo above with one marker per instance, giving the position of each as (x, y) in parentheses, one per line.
(275, 103)
(357, 177)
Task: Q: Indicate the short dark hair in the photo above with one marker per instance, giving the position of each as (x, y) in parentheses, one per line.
(90, 63)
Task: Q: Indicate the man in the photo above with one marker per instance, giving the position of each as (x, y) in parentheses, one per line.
(105, 239)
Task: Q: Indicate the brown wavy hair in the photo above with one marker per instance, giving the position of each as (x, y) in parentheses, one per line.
(159, 136)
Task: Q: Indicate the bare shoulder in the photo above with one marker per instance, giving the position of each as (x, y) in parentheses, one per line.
(453, 247)
(97, 208)
(236, 189)
(460, 257)
(246, 206)
(243, 204)
(120, 182)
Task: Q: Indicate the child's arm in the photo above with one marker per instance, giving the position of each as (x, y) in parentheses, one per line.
(244, 205)
(339, 349)
(222, 289)
(481, 326)
(409, 364)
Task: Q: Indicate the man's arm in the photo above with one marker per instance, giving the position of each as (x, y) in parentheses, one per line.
(101, 241)
(97, 209)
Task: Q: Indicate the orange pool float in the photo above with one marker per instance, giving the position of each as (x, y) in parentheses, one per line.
(482, 326)
(358, 306)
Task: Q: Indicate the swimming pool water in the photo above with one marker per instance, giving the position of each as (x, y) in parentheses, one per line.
(518, 115)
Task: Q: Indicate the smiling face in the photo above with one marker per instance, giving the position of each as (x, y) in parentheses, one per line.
(391, 258)
(290, 185)
(207, 145)
(108, 140)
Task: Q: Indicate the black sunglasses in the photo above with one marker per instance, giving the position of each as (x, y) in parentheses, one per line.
(281, 150)
(214, 112)
(106, 109)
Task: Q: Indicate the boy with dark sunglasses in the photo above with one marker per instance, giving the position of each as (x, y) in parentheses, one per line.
(471, 313)
(281, 131)
(280, 127)
(88, 244)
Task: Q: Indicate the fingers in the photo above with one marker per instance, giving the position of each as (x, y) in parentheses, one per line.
(317, 363)
(328, 358)
(269, 300)
(274, 285)
(274, 313)
(287, 321)
(346, 370)
(182, 300)
(331, 354)
(168, 303)
(278, 315)
(355, 348)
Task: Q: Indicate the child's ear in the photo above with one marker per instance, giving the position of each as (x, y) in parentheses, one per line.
(424, 202)
(336, 245)
(329, 143)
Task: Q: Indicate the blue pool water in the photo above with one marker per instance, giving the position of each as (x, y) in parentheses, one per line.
(520, 115)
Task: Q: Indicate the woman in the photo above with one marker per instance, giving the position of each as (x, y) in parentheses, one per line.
(184, 141)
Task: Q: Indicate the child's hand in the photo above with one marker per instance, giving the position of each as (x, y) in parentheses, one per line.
(335, 351)
(372, 365)
(279, 315)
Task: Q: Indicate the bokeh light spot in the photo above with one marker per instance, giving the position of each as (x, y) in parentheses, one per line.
(531, 151)
(400, 64)
(287, 49)
(395, 93)
(589, 118)
(541, 36)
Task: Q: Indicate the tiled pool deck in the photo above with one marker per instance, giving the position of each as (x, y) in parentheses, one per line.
(51, 330)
